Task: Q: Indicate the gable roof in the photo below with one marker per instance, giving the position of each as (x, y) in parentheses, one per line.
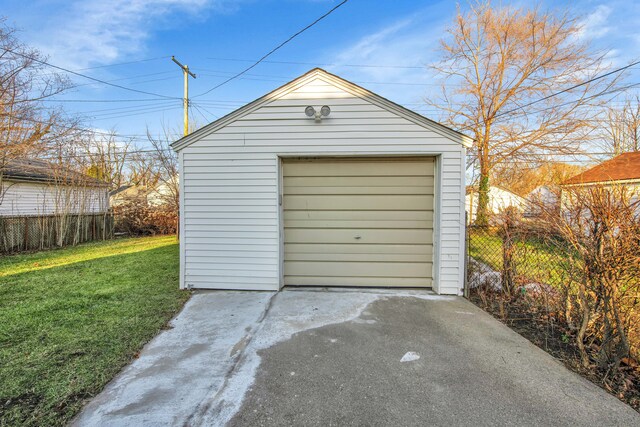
(34, 170)
(624, 167)
(337, 81)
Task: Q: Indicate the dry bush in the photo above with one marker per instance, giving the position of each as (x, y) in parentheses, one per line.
(602, 305)
(137, 218)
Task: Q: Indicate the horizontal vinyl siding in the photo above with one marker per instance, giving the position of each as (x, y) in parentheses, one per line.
(31, 199)
(231, 232)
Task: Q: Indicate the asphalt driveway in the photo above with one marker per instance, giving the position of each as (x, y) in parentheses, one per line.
(346, 357)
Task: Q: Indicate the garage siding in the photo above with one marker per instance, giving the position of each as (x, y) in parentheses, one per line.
(230, 203)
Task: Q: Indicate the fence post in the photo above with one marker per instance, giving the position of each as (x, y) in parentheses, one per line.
(26, 233)
(465, 290)
(508, 231)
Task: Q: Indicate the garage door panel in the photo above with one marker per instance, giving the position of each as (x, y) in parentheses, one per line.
(360, 202)
(350, 257)
(358, 269)
(407, 282)
(378, 190)
(337, 168)
(358, 215)
(425, 250)
(358, 236)
(312, 223)
(356, 181)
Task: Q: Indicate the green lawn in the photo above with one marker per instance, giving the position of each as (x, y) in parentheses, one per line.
(535, 260)
(70, 319)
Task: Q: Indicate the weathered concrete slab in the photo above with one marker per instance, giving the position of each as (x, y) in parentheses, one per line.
(313, 357)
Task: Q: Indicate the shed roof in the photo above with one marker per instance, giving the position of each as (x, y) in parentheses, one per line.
(35, 170)
(339, 81)
(624, 167)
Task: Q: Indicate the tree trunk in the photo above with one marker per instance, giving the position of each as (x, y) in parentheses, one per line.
(482, 211)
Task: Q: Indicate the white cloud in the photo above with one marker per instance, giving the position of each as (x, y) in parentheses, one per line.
(93, 32)
(408, 42)
(595, 25)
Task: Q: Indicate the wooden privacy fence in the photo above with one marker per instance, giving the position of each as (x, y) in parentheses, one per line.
(29, 233)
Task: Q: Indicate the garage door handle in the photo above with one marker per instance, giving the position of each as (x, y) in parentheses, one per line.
(357, 237)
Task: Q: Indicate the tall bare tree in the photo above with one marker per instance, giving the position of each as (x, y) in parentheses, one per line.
(107, 156)
(27, 126)
(512, 79)
(522, 178)
(165, 165)
(622, 127)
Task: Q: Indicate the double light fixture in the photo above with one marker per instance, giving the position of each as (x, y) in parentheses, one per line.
(317, 115)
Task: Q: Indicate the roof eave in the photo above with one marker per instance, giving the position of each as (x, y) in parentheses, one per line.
(608, 182)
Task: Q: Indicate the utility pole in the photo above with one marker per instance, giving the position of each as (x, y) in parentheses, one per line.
(187, 73)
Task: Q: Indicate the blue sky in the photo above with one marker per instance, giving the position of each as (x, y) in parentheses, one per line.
(397, 37)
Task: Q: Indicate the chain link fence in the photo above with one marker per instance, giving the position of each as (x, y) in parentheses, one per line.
(31, 233)
(518, 257)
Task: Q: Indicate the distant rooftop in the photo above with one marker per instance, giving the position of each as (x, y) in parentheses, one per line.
(624, 167)
(41, 171)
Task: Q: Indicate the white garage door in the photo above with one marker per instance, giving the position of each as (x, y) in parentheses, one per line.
(358, 222)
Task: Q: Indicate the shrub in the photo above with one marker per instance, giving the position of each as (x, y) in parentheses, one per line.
(137, 218)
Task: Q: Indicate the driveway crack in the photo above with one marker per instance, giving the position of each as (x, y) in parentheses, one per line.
(238, 356)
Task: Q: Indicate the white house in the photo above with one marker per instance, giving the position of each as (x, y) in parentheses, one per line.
(322, 183)
(499, 200)
(544, 198)
(31, 187)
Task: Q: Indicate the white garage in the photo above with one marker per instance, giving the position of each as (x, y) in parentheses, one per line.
(322, 183)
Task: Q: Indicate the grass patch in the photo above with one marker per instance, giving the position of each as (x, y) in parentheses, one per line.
(535, 260)
(71, 319)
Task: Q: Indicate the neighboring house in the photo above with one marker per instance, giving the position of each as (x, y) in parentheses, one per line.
(542, 199)
(622, 170)
(160, 195)
(157, 195)
(127, 194)
(499, 200)
(322, 183)
(32, 187)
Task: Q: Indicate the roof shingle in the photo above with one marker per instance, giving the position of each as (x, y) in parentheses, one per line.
(624, 167)
(42, 171)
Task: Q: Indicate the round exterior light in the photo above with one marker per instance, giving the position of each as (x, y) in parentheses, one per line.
(310, 111)
(325, 111)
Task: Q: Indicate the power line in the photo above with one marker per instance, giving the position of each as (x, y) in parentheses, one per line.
(80, 129)
(275, 48)
(271, 78)
(86, 76)
(597, 95)
(128, 108)
(616, 90)
(145, 111)
(104, 100)
(567, 89)
(318, 64)
(125, 63)
(199, 108)
(124, 109)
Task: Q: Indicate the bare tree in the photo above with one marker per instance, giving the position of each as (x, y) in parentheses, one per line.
(107, 157)
(522, 177)
(26, 125)
(165, 163)
(622, 127)
(512, 78)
